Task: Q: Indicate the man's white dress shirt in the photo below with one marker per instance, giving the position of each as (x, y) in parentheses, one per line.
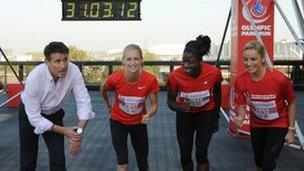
(42, 95)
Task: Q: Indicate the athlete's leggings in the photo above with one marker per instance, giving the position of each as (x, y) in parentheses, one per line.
(267, 144)
(186, 125)
(139, 139)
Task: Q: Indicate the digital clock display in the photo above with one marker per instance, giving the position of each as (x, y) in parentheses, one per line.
(101, 9)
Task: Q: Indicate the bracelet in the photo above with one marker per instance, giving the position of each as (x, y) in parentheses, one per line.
(292, 128)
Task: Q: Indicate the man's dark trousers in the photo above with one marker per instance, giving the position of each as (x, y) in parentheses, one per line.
(29, 142)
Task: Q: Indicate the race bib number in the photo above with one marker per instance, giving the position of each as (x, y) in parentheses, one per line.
(197, 99)
(130, 104)
(265, 110)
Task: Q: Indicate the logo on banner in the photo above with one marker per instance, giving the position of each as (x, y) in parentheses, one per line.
(258, 11)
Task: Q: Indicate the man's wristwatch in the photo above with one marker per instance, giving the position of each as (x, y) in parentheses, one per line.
(79, 130)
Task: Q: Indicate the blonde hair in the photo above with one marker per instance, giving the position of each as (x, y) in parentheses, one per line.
(256, 45)
(133, 47)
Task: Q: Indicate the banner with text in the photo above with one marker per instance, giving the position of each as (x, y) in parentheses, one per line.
(262, 13)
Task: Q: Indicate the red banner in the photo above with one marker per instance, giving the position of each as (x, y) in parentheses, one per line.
(262, 13)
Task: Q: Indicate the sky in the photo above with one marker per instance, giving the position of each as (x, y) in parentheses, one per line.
(28, 25)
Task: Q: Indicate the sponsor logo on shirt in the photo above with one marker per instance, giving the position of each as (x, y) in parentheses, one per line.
(141, 87)
(262, 97)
